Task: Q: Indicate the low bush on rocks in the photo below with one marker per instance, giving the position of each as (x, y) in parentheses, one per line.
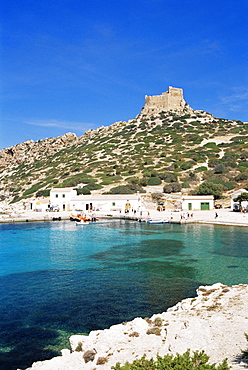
(134, 334)
(199, 360)
(245, 353)
(158, 321)
(155, 330)
(89, 355)
(79, 347)
(101, 360)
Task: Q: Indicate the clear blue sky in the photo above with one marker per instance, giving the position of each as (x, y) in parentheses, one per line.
(72, 65)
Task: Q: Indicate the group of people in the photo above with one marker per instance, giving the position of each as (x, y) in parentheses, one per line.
(185, 216)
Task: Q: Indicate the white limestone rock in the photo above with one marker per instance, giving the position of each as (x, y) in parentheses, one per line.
(215, 321)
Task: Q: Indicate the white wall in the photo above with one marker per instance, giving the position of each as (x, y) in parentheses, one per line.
(61, 197)
(235, 195)
(197, 202)
(106, 203)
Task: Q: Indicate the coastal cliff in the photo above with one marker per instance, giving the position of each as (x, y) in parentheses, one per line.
(215, 321)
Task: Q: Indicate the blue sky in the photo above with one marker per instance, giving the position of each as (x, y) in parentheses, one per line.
(72, 65)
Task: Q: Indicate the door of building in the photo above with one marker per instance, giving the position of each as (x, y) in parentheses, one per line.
(205, 206)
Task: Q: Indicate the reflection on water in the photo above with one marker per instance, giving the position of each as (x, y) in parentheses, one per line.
(57, 279)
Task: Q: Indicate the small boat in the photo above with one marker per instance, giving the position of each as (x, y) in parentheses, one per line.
(80, 223)
(157, 221)
(79, 218)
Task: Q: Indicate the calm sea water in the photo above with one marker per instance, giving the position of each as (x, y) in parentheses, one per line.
(59, 279)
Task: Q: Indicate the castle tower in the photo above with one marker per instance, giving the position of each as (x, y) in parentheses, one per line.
(171, 100)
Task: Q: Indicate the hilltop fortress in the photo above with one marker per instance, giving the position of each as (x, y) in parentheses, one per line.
(170, 100)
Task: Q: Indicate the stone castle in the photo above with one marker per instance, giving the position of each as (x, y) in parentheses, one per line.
(170, 100)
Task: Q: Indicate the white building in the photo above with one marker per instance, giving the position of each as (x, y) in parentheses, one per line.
(197, 202)
(40, 205)
(61, 198)
(66, 199)
(234, 195)
(123, 203)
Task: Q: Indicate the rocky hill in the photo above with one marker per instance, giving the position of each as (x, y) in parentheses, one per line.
(168, 144)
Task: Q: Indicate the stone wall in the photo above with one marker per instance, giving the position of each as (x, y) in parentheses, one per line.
(169, 100)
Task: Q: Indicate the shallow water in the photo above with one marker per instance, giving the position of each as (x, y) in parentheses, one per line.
(59, 279)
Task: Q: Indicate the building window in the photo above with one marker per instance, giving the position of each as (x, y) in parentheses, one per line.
(63, 195)
(56, 195)
(113, 203)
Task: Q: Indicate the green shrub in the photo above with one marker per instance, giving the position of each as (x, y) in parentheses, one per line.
(138, 146)
(242, 197)
(143, 181)
(227, 185)
(15, 199)
(174, 187)
(126, 189)
(70, 183)
(94, 186)
(200, 169)
(211, 145)
(185, 185)
(246, 352)
(77, 179)
(199, 360)
(156, 196)
(65, 174)
(220, 168)
(110, 180)
(242, 176)
(154, 181)
(168, 177)
(187, 165)
(133, 180)
(209, 188)
(33, 189)
(83, 191)
(213, 162)
(159, 142)
(243, 164)
(43, 193)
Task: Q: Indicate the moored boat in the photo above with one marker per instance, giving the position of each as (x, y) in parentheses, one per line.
(157, 221)
(84, 218)
(81, 223)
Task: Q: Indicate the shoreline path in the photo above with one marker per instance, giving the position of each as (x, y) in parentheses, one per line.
(224, 216)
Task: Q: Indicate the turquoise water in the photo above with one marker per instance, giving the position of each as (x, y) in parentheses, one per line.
(59, 279)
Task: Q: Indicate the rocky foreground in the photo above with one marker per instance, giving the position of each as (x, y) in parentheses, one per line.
(215, 321)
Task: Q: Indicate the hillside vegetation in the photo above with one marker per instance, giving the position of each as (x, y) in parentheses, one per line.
(176, 150)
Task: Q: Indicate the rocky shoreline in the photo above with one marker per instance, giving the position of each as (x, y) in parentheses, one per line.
(215, 321)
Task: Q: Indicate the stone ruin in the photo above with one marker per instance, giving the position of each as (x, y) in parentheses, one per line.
(171, 100)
